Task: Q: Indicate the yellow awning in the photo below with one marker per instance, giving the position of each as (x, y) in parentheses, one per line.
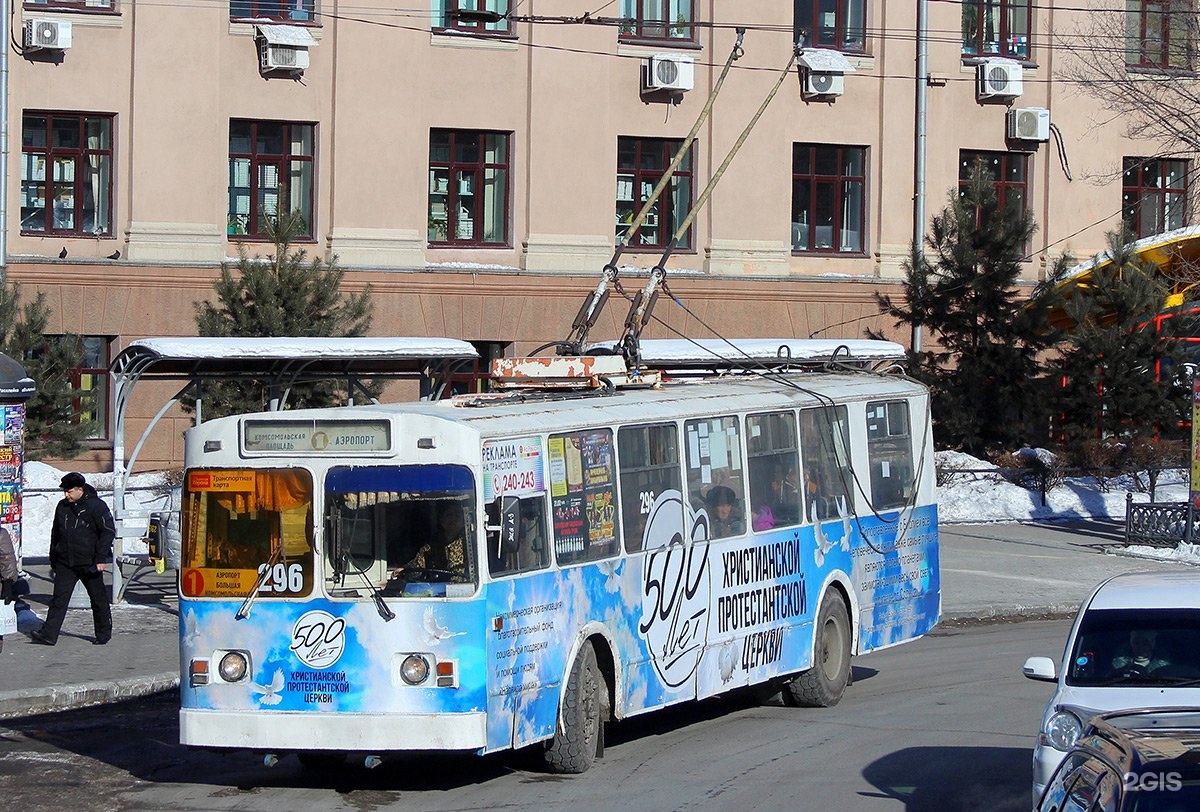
(1167, 250)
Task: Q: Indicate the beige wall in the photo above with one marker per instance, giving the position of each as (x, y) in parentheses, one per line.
(174, 74)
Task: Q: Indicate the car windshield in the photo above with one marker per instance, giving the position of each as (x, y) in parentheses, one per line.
(1159, 647)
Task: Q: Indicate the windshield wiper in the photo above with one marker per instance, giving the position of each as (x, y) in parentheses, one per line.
(343, 565)
(244, 612)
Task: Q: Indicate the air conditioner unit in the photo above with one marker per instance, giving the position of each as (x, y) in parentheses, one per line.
(669, 72)
(1029, 123)
(282, 57)
(47, 35)
(819, 83)
(999, 78)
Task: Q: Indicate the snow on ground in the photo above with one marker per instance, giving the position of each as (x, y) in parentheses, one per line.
(41, 495)
(967, 498)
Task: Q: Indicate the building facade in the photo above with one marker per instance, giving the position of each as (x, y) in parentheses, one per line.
(476, 164)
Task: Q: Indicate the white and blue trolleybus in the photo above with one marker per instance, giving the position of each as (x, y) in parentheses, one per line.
(517, 568)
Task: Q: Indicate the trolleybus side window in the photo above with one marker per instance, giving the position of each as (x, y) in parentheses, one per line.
(409, 530)
(714, 474)
(774, 461)
(649, 463)
(890, 451)
(240, 524)
(583, 495)
(523, 549)
(825, 450)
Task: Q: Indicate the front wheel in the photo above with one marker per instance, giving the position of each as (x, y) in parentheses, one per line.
(577, 741)
(822, 685)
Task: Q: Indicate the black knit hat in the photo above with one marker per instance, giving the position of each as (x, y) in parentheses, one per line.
(72, 480)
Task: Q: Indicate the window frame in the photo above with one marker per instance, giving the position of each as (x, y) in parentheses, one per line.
(71, 6)
(263, 10)
(772, 438)
(254, 230)
(1008, 44)
(1004, 187)
(99, 375)
(839, 182)
(703, 470)
(444, 18)
(807, 21)
(1172, 200)
(49, 155)
(659, 34)
(890, 453)
(646, 440)
(643, 180)
(1138, 50)
(595, 495)
(478, 170)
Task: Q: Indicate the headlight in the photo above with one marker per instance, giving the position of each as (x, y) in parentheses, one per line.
(415, 669)
(1062, 731)
(233, 667)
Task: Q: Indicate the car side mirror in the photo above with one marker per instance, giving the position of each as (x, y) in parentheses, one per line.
(510, 514)
(1040, 668)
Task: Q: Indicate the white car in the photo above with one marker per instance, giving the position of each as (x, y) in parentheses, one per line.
(1135, 644)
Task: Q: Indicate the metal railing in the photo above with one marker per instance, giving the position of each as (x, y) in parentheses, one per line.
(1158, 524)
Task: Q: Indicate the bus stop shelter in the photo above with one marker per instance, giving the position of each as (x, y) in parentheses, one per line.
(281, 363)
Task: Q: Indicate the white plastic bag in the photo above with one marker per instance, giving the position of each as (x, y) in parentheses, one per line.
(8, 618)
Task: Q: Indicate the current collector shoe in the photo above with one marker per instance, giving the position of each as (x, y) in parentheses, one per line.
(38, 637)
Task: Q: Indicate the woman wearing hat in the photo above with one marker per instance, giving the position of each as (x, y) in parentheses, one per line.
(80, 548)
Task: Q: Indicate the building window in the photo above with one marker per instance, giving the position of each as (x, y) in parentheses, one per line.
(1007, 171)
(269, 161)
(446, 16)
(1154, 195)
(1158, 34)
(66, 173)
(292, 11)
(828, 198)
(996, 28)
(468, 187)
(837, 24)
(70, 5)
(91, 384)
(658, 20)
(641, 163)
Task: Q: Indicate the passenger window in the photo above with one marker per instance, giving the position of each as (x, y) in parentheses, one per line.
(526, 548)
(890, 452)
(583, 496)
(714, 474)
(774, 470)
(825, 450)
(649, 465)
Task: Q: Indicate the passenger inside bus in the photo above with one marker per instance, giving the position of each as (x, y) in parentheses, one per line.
(724, 515)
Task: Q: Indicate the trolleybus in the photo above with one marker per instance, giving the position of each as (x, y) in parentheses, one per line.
(519, 568)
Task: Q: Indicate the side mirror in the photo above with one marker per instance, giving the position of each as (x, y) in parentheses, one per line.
(1039, 668)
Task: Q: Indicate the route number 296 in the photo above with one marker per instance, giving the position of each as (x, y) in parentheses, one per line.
(281, 578)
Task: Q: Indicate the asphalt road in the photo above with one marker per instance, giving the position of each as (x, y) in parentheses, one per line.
(945, 723)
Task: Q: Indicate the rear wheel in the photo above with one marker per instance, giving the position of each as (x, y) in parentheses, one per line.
(578, 740)
(822, 685)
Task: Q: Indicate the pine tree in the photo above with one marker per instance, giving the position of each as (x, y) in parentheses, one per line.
(984, 377)
(1117, 367)
(283, 294)
(52, 430)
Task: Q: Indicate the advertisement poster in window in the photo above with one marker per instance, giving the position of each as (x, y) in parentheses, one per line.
(512, 467)
(583, 495)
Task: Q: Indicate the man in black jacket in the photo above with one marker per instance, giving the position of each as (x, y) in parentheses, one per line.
(80, 549)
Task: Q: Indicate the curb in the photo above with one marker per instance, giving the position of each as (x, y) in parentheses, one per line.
(16, 704)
